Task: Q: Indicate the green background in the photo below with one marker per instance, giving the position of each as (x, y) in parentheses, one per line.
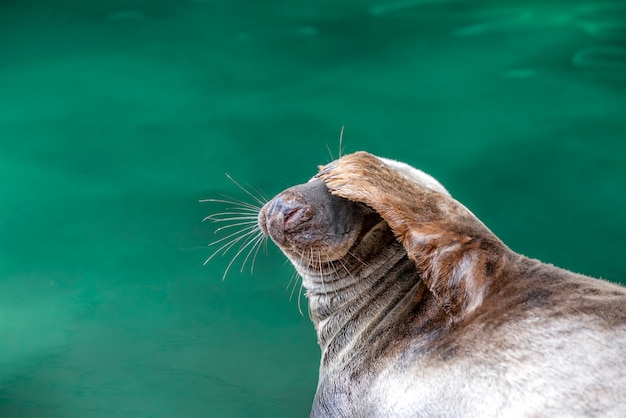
(117, 117)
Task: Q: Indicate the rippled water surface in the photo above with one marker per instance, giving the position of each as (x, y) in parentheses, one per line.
(117, 117)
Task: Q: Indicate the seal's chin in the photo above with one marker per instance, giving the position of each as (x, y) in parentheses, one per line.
(305, 247)
(324, 257)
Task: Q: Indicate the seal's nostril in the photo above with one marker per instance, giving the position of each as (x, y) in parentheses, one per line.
(290, 213)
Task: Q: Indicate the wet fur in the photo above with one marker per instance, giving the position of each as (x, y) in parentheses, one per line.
(425, 312)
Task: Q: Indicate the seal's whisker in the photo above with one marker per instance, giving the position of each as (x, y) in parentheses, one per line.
(238, 210)
(332, 157)
(239, 204)
(308, 304)
(336, 273)
(228, 245)
(221, 216)
(306, 260)
(358, 259)
(348, 272)
(260, 194)
(294, 280)
(226, 216)
(322, 274)
(241, 249)
(300, 300)
(234, 225)
(341, 142)
(294, 277)
(262, 240)
(248, 218)
(343, 265)
(336, 270)
(241, 222)
(257, 242)
(259, 199)
(265, 246)
(247, 230)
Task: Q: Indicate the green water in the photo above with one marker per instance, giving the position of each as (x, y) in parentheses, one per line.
(116, 117)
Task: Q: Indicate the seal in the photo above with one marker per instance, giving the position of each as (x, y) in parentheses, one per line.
(420, 310)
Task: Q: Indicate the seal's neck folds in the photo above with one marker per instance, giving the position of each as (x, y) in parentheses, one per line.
(350, 296)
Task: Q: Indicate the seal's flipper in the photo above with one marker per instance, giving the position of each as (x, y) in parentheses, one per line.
(457, 256)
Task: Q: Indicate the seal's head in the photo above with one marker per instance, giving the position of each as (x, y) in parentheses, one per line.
(317, 230)
(310, 224)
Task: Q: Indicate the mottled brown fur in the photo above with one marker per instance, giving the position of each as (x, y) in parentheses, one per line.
(425, 222)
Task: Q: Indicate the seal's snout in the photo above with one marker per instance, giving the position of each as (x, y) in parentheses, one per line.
(307, 219)
(288, 210)
(283, 215)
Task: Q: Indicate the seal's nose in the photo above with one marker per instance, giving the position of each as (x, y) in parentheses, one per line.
(283, 214)
(288, 210)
